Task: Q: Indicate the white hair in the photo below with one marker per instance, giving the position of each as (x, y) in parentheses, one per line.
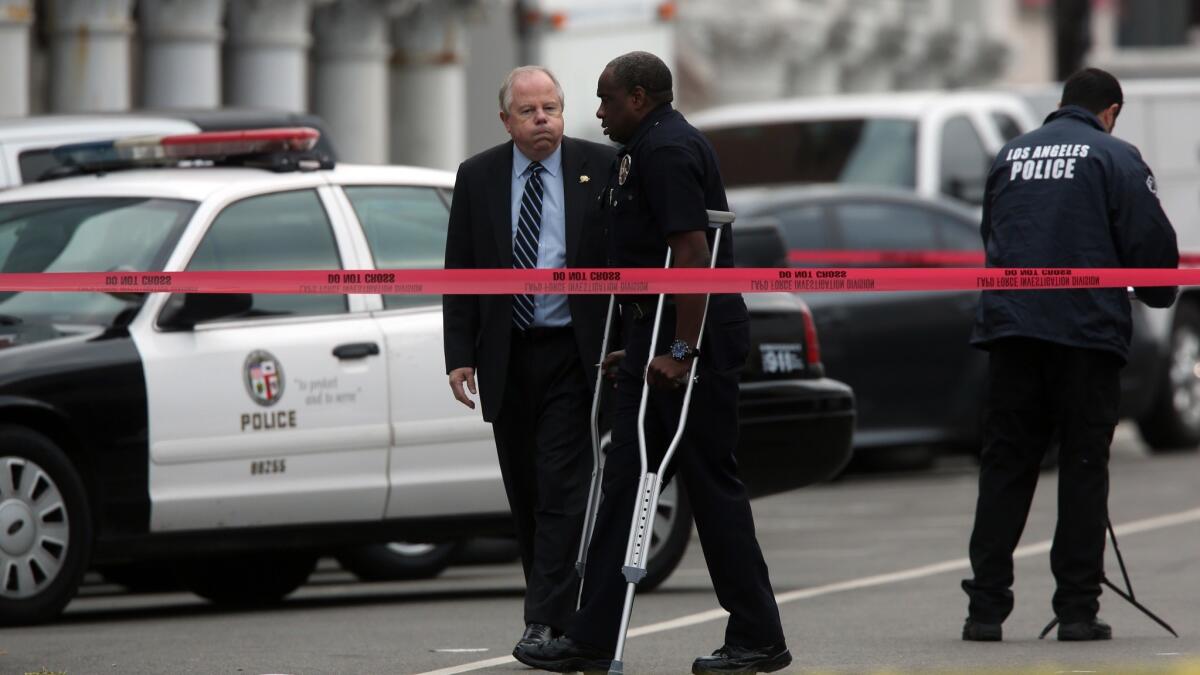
(506, 88)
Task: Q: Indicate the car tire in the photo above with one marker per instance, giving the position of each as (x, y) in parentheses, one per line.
(398, 561)
(140, 577)
(670, 536)
(488, 551)
(45, 528)
(249, 579)
(1173, 423)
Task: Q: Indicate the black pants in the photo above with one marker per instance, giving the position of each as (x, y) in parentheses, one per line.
(545, 455)
(705, 460)
(1040, 392)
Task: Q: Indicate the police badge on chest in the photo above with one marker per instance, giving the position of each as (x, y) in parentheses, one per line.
(623, 172)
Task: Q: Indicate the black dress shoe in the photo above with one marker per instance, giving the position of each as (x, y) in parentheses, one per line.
(564, 655)
(978, 631)
(1084, 630)
(535, 633)
(734, 659)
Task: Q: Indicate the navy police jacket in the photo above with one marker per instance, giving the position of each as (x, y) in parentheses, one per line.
(1070, 195)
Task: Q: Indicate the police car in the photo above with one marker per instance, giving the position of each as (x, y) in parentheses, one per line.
(240, 436)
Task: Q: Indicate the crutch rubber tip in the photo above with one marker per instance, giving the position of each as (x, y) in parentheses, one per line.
(633, 575)
(617, 668)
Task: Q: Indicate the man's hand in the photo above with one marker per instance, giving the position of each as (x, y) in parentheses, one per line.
(609, 366)
(665, 372)
(457, 377)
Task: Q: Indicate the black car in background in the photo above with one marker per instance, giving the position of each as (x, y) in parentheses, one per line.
(918, 384)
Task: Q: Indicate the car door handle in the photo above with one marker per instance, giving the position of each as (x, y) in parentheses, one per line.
(356, 350)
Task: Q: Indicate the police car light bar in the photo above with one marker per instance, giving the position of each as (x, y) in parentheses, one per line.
(208, 145)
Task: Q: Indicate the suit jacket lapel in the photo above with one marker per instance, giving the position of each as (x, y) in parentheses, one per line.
(499, 192)
(575, 194)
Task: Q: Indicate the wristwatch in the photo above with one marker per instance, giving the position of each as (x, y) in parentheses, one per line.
(681, 350)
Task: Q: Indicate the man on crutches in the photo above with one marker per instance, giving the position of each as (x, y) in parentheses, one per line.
(663, 185)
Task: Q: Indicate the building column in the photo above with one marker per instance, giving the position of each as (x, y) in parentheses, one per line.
(873, 39)
(267, 57)
(350, 77)
(428, 87)
(984, 54)
(181, 53)
(746, 43)
(15, 18)
(928, 46)
(89, 54)
(814, 70)
(756, 50)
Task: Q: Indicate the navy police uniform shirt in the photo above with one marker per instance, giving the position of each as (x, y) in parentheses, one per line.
(664, 180)
(1070, 195)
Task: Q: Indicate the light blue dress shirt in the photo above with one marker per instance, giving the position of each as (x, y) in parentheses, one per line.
(548, 310)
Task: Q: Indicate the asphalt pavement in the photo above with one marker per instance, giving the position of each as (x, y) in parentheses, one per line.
(866, 568)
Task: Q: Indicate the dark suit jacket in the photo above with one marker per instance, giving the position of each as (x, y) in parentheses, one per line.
(477, 329)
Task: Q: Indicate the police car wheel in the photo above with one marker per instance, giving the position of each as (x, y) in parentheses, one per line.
(398, 561)
(141, 577)
(45, 528)
(670, 536)
(1173, 423)
(248, 579)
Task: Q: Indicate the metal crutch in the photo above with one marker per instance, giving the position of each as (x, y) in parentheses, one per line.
(589, 518)
(650, 486)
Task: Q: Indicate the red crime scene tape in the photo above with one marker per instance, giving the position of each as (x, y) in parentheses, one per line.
(913, 258)
(627, 281)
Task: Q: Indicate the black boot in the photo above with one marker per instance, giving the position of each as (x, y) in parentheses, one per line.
(1080, 631)
(534, 633)
(734, 659)
(563, 655)
(978, 631)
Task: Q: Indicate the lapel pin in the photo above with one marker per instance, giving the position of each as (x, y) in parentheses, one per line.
(584, 178)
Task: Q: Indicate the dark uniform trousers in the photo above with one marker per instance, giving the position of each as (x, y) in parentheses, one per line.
(1040, 392)
(543, 443)
(705, 460)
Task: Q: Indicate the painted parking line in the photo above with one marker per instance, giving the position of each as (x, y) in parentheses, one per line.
(955, 565)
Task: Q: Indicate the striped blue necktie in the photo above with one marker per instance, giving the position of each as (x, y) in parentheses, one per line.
(525, 244)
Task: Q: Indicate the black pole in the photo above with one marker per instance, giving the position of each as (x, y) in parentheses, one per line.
(1072, 36)
(1127, 594)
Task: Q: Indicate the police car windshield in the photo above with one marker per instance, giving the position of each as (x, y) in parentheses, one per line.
(84, 235)
(856, 151)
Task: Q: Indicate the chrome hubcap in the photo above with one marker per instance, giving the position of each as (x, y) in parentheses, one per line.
(1185, 377)
(34, 530)
(405, 548)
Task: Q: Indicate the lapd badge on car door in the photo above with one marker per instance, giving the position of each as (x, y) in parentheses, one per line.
(623, 172)
(264, 378)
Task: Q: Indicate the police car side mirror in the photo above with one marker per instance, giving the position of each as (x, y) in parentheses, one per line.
(760, 244)
(968, 190)
(184, 310)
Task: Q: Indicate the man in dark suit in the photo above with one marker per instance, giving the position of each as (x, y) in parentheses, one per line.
(528, 203)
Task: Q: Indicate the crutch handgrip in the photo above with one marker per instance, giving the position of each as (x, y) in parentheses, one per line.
(718, 218)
